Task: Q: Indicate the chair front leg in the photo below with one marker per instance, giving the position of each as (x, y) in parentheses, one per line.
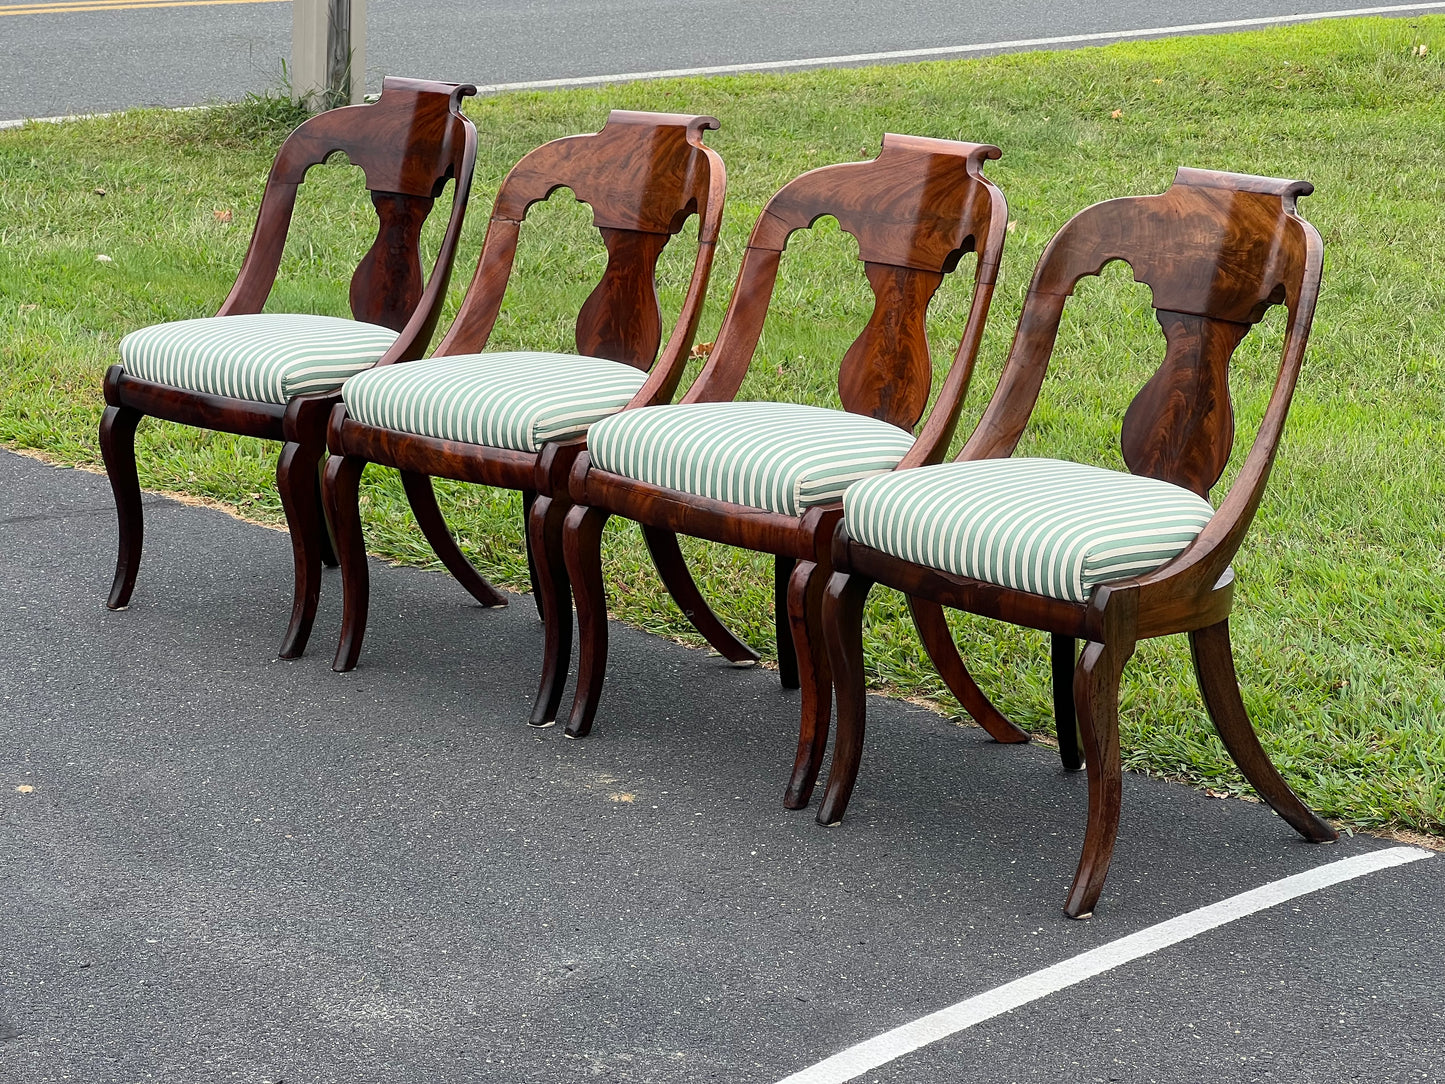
(843, 630)
(805, 617)
(545, 519)
(1214, 664)
(933, 630)
(117, 448)
(1096, 700)
(423, 500)
(341, 490)
(295, 479)
(582, 552)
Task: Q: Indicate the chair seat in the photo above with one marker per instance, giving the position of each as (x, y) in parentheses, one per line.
(263, 357)
(779, 457)
(519, 400)
(1044, 526)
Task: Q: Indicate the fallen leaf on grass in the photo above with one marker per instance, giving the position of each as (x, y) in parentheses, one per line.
(1116, 114)
(700, 351)
(1013, 225)
(100, 191)
(222, 216)
(1420, 50)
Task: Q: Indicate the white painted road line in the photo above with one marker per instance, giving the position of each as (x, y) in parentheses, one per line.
(951, 50)
(869, 1055)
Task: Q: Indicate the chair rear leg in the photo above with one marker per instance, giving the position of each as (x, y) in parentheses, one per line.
(933, 630)
(843, 631)
(805, 616)
(672, 567)
(296, 481)
(423, 500)
(529, 498)
(1096, 699)
(341, 491)
(1218, 681)
(117, 448)
(328, 530)
(787, 656)
(545, 518)
(1064, 652)
(582, 552)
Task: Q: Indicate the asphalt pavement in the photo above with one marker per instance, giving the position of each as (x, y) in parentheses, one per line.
(112, 54)
(222, 867)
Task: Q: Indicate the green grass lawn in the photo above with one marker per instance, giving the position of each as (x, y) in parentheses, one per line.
(1340, 616)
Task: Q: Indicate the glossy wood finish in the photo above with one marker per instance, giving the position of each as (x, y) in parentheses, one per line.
(915, 211)
(1217, 250)
(409, 144)
(644, 175)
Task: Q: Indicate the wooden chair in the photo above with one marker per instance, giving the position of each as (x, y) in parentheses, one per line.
(276, 376)
(1082, 552)
(515, 419)
(767, 476)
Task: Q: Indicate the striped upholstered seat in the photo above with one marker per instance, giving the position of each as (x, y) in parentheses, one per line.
(779, 457)
(518, 400)
(1040, 525)
(264, 357)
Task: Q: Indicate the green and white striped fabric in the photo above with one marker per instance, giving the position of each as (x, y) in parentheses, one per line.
(518, 400)
(1040, 525)
(779, 457)
(264, 357)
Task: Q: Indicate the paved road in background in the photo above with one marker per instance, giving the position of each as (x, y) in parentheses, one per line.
(162, 52)
(226, 869)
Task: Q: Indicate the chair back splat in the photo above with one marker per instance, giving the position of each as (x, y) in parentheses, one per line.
(1180, 426)
(641, 188)
(408, 146)
(913, 221)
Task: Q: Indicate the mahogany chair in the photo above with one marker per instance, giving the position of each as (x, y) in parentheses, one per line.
(515, 419)
(276, 376)
(768, 476)
(1082, 552)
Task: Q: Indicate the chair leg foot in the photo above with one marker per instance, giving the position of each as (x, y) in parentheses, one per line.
(341, 490)
(938, 642)
(423, 500)
(117, 448)
(843, 624)
(545, 518)
(1096, 699)
(668, 560)
(296, 481)
(1218, 681)
(815, 678)
(582, 553)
